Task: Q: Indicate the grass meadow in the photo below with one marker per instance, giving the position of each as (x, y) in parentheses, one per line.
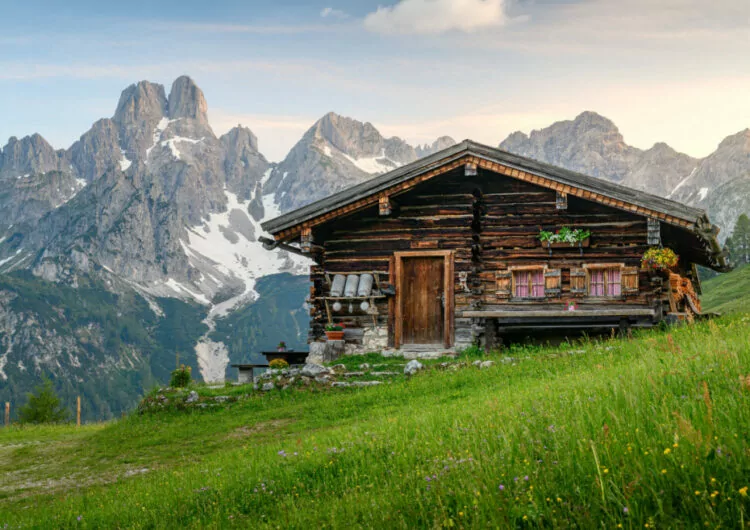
(647, 432)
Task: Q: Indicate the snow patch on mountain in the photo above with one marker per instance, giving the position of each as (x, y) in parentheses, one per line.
(230, 241)
(158, 130)
(172, 144)
(375, 164)
(682, 183)
(125, 163)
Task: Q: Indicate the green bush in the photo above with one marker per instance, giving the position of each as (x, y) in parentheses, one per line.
(181, 377)
(43, 406)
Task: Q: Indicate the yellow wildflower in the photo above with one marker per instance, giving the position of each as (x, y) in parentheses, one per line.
(743, 491)
(667, 451)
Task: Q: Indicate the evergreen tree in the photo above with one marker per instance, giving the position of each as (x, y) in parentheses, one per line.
(43, 406)
(738, 243)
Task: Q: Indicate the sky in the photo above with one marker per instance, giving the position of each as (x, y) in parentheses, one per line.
(676, 71)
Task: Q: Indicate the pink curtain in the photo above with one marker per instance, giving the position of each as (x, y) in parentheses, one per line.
(524, 279)
(597, 283)
(522, 284)
(537, 284)
(613, 282)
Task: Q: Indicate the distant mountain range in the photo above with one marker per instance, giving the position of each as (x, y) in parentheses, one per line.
(150, 213)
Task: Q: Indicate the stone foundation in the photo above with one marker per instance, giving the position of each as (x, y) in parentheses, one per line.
(373, 340)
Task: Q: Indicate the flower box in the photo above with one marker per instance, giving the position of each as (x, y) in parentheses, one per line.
(334, 335)
(564, 244)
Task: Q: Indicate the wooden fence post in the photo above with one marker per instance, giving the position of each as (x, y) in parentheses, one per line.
(7, 413)
(78, 411)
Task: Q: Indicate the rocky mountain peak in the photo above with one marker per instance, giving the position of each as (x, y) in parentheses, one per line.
(438, 145)
(337, 152)
(98, 150)
(239, 136)
(27, 156)
(140, 109)
(186, 100)
(740, 140)
(143, 101)
(348, 135)
(589, 144)
(589, 120)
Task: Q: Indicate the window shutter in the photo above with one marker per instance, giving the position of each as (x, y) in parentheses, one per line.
(577, 282)
(552, 283)
(503, 280)
(630, 281)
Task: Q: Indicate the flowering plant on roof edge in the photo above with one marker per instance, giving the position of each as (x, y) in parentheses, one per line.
(659, 259)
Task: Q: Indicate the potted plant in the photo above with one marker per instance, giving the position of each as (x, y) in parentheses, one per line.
(335, 332)
(659, 259)
(281, 347)
(565, 237)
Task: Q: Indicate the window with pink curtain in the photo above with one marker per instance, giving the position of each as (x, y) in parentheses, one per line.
(605, 282)
(529, 284)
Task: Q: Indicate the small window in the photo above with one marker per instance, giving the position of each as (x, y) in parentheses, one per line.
(605, 281)
(528, 283)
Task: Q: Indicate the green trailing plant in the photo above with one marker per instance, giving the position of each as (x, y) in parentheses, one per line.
(335, 327)
(181, 377)
(564, 235)
(43, 406)
(278, 364)
(659, 259)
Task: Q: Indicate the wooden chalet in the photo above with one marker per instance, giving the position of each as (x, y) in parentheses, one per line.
(449, 248)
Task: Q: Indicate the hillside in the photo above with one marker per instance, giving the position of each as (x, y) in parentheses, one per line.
(647, 432)
(111, 347)
(727, 293)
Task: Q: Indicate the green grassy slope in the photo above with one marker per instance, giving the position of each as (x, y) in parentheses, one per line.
(649, 431)
(728, 293)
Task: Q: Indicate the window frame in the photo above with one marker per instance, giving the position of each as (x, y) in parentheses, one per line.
(589, 267)
(528, 269)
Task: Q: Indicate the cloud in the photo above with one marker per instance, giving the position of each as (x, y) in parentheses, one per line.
(330, 12)
(429, 17)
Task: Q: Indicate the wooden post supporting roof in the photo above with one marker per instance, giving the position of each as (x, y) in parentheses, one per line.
(384, 205)
(654, 232)
(306, 239)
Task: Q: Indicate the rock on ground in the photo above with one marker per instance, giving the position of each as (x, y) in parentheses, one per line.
(412, 367)
(314, 370)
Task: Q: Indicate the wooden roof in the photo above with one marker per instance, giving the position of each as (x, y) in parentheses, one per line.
(288, 226)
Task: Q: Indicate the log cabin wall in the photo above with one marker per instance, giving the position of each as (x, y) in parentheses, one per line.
(492, 224)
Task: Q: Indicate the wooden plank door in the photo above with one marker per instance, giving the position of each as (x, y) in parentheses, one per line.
(423, 299)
